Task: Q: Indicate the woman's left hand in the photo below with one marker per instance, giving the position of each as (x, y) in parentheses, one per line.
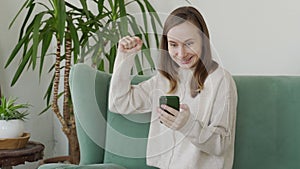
(177, 121)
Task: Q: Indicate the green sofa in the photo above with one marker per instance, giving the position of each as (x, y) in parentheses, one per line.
(267, 130)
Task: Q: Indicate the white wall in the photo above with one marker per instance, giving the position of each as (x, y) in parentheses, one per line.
(251, 37)
(260, 37)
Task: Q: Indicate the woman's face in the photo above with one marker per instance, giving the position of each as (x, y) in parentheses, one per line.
(185, 44)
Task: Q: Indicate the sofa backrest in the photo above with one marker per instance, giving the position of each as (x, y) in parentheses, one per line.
(268, 118)
(267, 130)
(126, 137)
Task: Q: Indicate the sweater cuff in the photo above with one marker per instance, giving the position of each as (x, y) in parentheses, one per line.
(186, 129)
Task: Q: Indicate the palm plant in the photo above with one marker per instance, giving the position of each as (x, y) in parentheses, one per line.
(72, 28)
(113, 22)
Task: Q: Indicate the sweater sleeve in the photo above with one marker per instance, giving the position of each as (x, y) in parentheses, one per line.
(217, 134)
(125, 98)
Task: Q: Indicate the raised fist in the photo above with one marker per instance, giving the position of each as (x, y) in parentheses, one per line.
(130, 44)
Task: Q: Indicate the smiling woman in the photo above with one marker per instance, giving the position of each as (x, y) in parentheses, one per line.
(203, 129)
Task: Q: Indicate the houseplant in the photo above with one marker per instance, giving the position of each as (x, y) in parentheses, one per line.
(71, 28)
(12, 116)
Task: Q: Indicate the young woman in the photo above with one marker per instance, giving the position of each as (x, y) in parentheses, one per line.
(201, 134)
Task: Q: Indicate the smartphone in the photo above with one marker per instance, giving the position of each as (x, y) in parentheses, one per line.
(171, 101)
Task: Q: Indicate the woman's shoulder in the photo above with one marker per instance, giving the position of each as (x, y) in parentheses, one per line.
(220, 73)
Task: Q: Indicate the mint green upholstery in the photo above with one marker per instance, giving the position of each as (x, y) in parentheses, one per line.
(267, 131)
(268, 118)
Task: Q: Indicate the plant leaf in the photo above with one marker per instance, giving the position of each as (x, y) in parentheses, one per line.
(75, 39)
(144, 15)
(35, 37)
(21, 9)
(112, 58)
(46, 109)
(123, 18)
(60, 18)
(138, 65)
(21, 67)
(17, 48)
(152, 12)
(85, 8)
(100, 4)
(47, 38)
(31, 7)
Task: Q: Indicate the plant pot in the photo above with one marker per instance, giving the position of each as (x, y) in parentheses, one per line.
(11, 128)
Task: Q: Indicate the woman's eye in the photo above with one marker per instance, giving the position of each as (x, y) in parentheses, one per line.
(172, 44)
(189, 44)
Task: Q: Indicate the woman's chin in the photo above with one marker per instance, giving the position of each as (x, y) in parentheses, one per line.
(186, 65)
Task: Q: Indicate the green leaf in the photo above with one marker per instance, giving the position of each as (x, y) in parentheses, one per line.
(138, 65)
(73, 7)
(146, 36)
(45, 6)
(47, 38)
(85, 8)
(123, 18)
(144, 15)
(112, 58)
(31, 7)
(147, 53)
(155, 30)
(17, 48)
(152, 12)
(101, 65)
(21, 67)
(29, 29)
(48, 93)
(75, 39)
(46, 109)
(60, 17)
(18, 13)
(35, 37)
(100, 5)
(134, 26)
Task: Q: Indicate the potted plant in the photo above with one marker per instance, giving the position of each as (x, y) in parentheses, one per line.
(71, 28)
(12, 116)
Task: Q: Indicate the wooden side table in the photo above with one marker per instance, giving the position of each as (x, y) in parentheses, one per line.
(33, 151)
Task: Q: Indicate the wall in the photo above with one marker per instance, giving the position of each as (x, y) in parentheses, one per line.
(258, 37)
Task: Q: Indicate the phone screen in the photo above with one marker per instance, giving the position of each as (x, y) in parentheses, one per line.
(171, 101)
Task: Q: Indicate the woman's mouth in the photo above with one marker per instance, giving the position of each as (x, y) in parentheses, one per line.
(186, 60)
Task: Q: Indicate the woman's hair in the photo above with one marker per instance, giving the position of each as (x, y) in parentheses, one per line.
(205, 64)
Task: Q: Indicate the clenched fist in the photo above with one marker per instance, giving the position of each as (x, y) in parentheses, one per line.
(130, 45)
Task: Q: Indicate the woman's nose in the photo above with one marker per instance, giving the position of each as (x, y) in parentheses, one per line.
(181, 52)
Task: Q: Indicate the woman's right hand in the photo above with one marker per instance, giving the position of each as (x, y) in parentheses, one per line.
(130, 45)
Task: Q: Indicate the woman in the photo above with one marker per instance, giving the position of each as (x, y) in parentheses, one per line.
(200, 135)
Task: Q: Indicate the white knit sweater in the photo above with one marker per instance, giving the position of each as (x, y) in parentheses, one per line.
(207, 139)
